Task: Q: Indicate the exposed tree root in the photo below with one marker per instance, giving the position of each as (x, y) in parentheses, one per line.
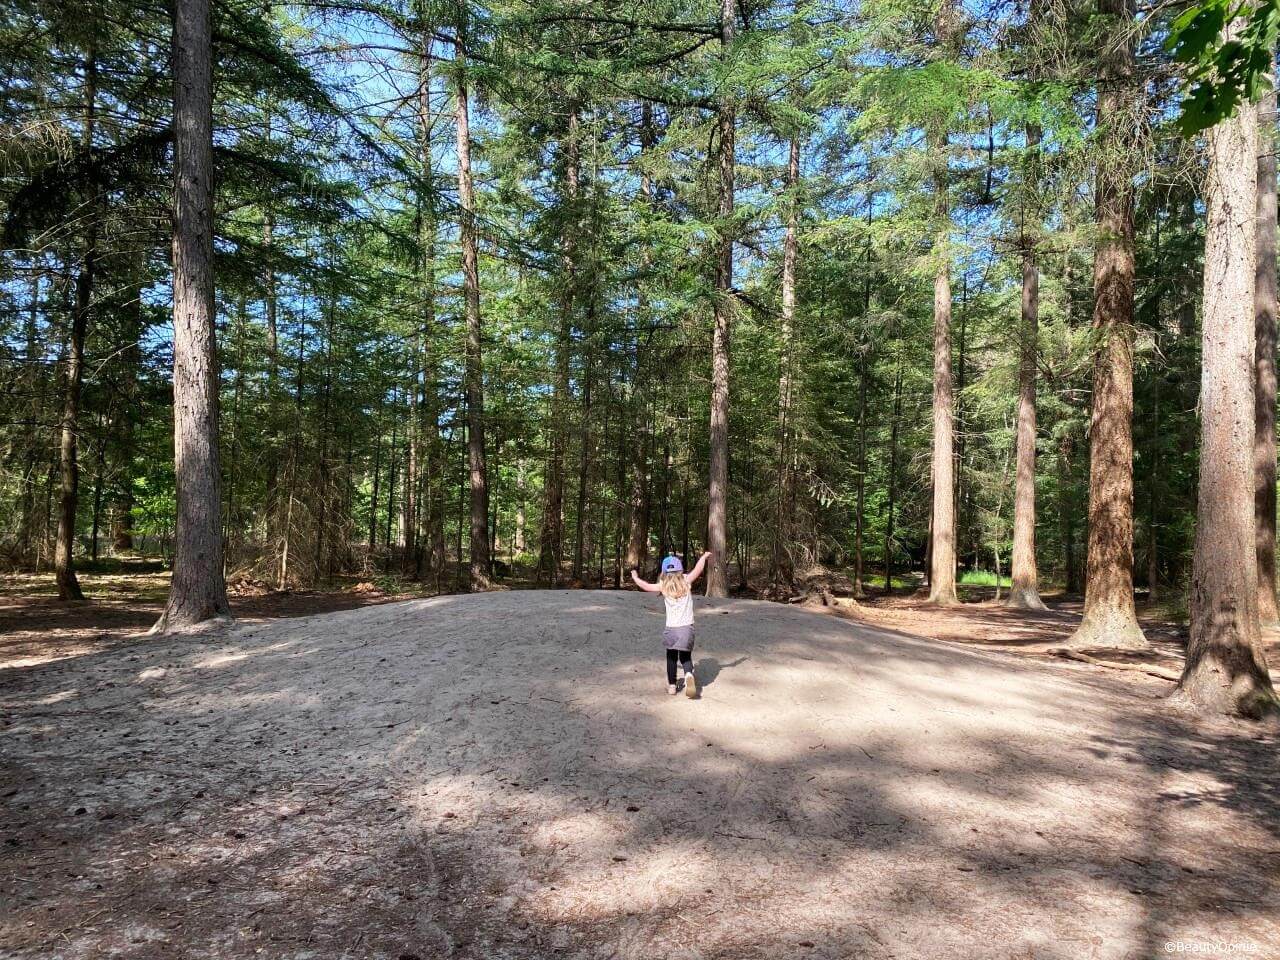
(1150, 669)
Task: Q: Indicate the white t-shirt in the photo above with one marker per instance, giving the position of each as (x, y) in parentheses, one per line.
(680, 612)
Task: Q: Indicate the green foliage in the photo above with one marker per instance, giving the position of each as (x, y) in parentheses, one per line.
(1223, 73)
(338, 276)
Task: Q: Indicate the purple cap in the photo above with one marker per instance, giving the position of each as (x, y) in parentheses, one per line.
(672, 564)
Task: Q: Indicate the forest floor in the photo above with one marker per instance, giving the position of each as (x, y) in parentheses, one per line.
(504, 775)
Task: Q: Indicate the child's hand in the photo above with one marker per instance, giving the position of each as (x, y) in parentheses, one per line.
(706, 555)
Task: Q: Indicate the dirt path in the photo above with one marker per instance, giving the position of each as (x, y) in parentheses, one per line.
(36, 627)
(503, 775)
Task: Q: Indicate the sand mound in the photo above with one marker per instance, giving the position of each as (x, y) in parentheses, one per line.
(503, 775)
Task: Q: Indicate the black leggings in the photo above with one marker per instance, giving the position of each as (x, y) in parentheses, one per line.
(686, 661)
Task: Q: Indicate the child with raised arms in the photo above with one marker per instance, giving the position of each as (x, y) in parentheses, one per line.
(674, 585)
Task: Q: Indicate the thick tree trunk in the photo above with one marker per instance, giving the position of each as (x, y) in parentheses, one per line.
(1225, 670)
(1110, 619)
(198, 591)
(1023, 588)
(474, 368)
(718, 453)
(1264, 311)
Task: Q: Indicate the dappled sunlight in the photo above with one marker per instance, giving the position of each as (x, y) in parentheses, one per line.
(441, 776)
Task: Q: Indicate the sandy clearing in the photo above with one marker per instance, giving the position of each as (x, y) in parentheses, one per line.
(503, 775)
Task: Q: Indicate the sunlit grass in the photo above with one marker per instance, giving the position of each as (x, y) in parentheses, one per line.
(981, 578)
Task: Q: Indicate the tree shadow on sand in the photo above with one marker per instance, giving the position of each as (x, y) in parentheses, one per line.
(355, 786)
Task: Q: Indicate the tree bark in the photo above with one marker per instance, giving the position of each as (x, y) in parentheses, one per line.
(783, 568)
(1264, 311)
(580, 532)
(718, 466)
(1023, 588)
(27, 551)
(1110, 619)
(892, 480)
(428, 506)
(474, 369)
(198, 591)
(551, 537)
(433, 495)
(131, 357)
(860, 509)
(518, 545)
(942, 554)
(1225, 670)
(638, 524)
(69, 494)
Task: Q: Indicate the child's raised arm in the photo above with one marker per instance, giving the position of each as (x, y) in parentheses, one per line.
(696, 572)
(645, 585)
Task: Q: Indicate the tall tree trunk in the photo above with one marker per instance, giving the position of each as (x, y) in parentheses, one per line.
(551, 538)
(432, 498)
(783, 568)
(377, 478)
(272, 513)
(1110, 619)
(324, 481)
(718, 466)
(518, 546)
(64, 553)
(294, 453)
(473, 373)
(942, 540)
(97, 488)
(131, 358)
(393, 461)
(1023, 588)
(892, 479)
(1264, 311)
(409, 505)
(584, 467)
(1153, 479)
(860, 509)
(198, 591)
(27, 550)
(638, 522)
(1225, 670)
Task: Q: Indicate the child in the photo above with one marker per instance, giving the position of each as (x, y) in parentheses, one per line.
(678, 636)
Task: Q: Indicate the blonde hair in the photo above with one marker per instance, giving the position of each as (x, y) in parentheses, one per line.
(673, 585)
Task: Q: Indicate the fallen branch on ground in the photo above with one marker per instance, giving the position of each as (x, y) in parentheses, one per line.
(1150, 669)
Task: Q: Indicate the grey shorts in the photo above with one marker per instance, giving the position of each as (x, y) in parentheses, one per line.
(678, 638)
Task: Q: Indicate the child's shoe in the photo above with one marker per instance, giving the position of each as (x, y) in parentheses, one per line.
(690, 685)
(671, 689)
